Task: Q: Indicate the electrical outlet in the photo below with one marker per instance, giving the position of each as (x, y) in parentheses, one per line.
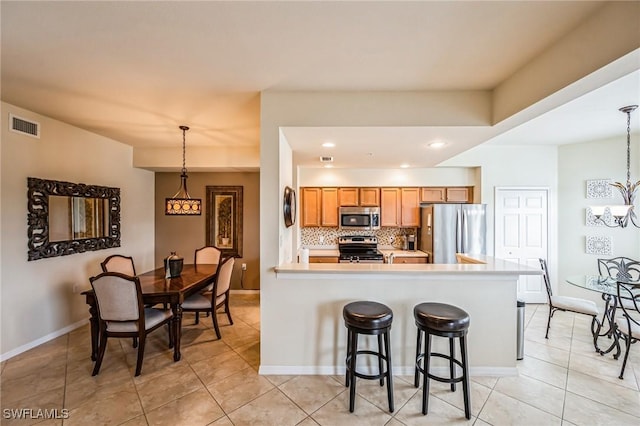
(321, 239)
(392, 240)
(244, 266)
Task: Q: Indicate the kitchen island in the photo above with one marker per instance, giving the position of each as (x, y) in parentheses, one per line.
(302, 330)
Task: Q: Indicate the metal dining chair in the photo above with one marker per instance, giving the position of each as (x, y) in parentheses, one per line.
(620, 268)
(628, 324)
(568, 304)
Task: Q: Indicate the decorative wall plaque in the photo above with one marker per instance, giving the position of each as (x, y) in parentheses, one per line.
(598, 245)
(599, 188)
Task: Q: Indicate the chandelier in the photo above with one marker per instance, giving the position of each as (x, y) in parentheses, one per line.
(622, 214)
(182, 203)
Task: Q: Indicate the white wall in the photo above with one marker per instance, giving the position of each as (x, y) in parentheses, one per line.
(37, 297)
(513, 166)
(604, 159)
(440, 176)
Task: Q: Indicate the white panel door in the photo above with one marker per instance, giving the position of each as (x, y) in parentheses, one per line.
(521, 235)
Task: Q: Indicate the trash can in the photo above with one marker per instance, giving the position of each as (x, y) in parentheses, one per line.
(520, 330)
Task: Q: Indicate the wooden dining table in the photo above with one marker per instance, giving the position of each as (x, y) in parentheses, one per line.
(158, 289)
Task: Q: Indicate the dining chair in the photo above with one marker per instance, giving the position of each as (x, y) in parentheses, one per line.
(121, 313)
(207, 255)
(219, 296)
(628, 324)
(119, 263)
(568, 304)
(620, 268)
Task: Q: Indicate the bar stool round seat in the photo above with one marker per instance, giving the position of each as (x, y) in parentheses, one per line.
(451, 322)
(368, 318)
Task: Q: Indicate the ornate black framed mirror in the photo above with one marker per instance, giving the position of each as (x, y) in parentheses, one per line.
(67, 218)
(289, 206)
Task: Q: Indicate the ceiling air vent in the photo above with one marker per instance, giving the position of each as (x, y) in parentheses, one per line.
(23, 126)
(326, 159)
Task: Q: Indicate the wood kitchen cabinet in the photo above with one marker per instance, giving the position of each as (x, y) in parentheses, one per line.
(410, 259)
(323, 259)
(410, 207)
(390, 206)
(460, 194)
(451, 194)
(400, 207)
(348, 197)
(329, 216)
(369, 197)
(354, 197)
(311, 205)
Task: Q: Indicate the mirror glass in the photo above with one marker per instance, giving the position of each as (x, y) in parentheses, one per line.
(77, 218)
(67, 218)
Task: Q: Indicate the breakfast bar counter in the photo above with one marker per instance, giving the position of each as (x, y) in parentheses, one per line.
(302, 330)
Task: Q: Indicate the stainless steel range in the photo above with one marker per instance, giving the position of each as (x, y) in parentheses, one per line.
(359, 249)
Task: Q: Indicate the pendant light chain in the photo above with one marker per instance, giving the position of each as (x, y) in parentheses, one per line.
(629, 147)
(184, 149)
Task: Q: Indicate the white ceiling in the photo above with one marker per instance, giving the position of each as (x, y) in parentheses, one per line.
(134, 71)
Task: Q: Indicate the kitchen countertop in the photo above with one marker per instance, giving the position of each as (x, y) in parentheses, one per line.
(482, 265)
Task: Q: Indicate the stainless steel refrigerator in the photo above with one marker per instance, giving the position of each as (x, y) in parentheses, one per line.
(447, 229)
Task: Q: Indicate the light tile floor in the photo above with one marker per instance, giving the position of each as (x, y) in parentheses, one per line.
(561, 381)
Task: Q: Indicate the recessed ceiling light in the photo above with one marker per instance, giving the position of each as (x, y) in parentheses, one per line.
(328, 144)
(404, 166)
(328, 166)
(436, 144)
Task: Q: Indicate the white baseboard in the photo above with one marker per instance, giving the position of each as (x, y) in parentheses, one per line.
(17, 351)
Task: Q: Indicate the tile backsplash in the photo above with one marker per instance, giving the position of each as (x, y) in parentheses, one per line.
(312, 236)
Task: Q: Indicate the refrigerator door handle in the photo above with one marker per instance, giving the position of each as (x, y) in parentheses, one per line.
(459, 231)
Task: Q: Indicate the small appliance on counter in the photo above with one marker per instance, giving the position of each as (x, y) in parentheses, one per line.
(411, 242)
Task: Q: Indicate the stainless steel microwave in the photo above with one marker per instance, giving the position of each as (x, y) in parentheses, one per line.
(360, 218)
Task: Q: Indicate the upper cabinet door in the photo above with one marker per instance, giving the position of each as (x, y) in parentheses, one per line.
(460, 195)
(390, 205)
(370, 197)
(433, 195)
(451, 194)
(348, 197)
(410, 198)
(329, 215)
(311, 205)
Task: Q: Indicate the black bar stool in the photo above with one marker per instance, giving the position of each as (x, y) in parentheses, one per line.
(371, 318)
(439, 319)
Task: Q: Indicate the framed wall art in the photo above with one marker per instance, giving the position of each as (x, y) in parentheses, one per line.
(224, 219)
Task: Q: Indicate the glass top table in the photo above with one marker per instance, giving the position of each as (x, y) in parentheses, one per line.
(605, 285)
(608, 288)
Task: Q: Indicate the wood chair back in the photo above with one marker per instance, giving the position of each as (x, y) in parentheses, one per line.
(119, 263)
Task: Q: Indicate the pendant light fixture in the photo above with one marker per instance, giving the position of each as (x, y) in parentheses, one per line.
(622, 214)
(182, 203)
